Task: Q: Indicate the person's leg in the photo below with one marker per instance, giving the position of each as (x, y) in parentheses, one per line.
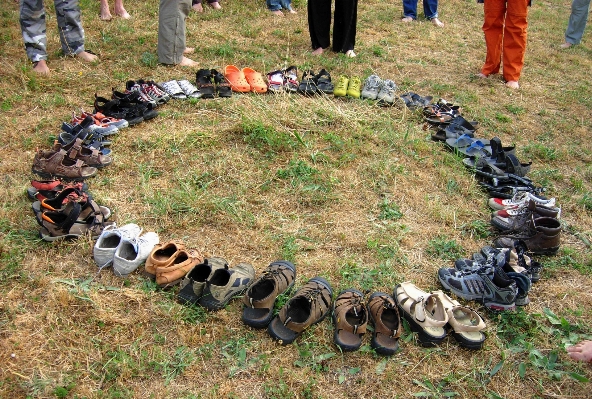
(430, 10)
(105, 12)
(171, 31)
(71, 32)
(196, 4)
(493, 27)
(319, 24)
(344, 25)
(409, 10)
(577, 21)
(32, 20)
(120, 10)
(275, 7)
(514, 45)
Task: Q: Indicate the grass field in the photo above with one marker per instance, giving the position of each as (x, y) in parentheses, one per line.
(347, 190)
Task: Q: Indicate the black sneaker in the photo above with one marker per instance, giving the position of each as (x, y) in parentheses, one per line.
(203, 80)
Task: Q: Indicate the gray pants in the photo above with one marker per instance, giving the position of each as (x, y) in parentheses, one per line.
(32, 19)
(171, 30)
(577, 21)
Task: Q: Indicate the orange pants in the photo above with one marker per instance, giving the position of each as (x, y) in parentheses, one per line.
(504, 26)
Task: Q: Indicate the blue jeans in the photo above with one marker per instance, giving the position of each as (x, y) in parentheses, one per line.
(577, 21)
(430, 8)
(275, 5)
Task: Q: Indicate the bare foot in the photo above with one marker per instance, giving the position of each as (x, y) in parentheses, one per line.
(318, 51)
(122, 13)
(189, 50)
(481, 75)
(582, 351)
(407, 19)
(279, 13)
(512, 84)
(41, 67)
(88, 57)
(350, 53)
(188, 62)
(437, 22)
(566, 45)
(105, 13)
(293, 11)
(215, 5)
(198, 7)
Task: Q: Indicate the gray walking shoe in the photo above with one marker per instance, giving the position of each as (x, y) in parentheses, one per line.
(372, 86)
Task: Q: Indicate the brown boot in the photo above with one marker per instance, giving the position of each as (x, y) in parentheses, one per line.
(541, 236)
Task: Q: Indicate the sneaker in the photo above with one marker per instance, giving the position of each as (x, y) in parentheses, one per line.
(153, 90)
(310, 305)
(174, 90)
(110, 239)
(353, 88)
(224, 284)
(489, 285)
(190, 90)
(192, 286)
(291, 79)
(372, 86)
(515, 219)
(205, 84)
(350, 317)
(275, 81)
(132, 252)
(387, 92)
(341, 89)
(260, 297)
(133, 86)
(520, 198)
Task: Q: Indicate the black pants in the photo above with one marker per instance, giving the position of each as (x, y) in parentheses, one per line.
(344, 25)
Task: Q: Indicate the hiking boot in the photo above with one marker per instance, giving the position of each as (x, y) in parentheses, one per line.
(181, 263)
(260, 297)
(515, 219)
(224, 284)
(541, 236)
(387, 323)
(193, 283)
(203, 80)
(350, 317)
(341, 89)
(353, 88)
(387, 92)
(520, 198)
(372, 86)
(489, 285)
(132, 252)
(310, 305)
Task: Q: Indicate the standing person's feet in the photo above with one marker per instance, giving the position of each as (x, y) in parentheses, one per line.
(188, 62)
(189, 50)
(215, 5)
(292, 11)
(407, 19)
(512, 84)
(198, 7)
(86, 56)
(582, 351)
(279, 13)
(565, 45)
(437, 22)
(481, 75)
(350, 53)
(121, 12)
(105, 13)
(41, 67)
(318, 51)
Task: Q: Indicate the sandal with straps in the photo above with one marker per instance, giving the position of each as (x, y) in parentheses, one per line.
(424, 312)
(350, 317)
(42, 189)
(466, 324)
(52, 163)
(88, 155)
(62, 203)
(60, 225)
(387, 323)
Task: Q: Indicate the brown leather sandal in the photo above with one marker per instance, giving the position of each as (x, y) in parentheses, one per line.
(60, 225)
(57, 163)
(90, 156)
(387, 323)
(350, 317)
(260, 297)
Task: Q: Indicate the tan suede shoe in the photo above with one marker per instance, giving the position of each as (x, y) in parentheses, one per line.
(172, 273)
(162, 254)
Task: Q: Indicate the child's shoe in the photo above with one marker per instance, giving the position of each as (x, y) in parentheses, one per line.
(342, 87)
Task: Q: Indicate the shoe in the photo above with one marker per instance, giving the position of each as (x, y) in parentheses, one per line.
(132, 252)
(179, 265)
(519, 199)
(260, 298)
(133, 90)
(341, 89)
(255, 80)
(49, 189)
(308, 84)
(223, 88)
(48, 164)
(161, 256)
(192, 285)
(387, 92)
(291, 79)
(190, 90)
(96, 126)
(350, 317)
(275, 81)
(66, 224)
(173, 89)
(205, 84)
(542, 236)
(372, 86)
(105, 120)
(154, 91)
(309, 305)
(424, 312)
(224, 284)
(466, 324)
(109, 240)
(515, 219)
(76, 150)
(353, 88)
(488, 285)
(324, 84)
(387, 323)
(237, 79)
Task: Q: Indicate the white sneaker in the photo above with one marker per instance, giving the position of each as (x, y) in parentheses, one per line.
(133, 252)
(110, 239)
(519, 199)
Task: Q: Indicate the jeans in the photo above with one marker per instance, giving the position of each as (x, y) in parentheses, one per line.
(430, 8)
(577, 21)
(275, 5)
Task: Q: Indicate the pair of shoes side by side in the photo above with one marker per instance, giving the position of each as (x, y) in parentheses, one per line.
(180, 89)
(347, 86)
(377, 89)
(169, 262)
(244, 80)
(212, 83)
(319, 83)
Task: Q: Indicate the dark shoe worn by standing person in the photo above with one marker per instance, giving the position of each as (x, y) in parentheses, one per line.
(193, 284)
(310, 305)
(260, 297)
(226, 283)
(350, 317)
(387, 323)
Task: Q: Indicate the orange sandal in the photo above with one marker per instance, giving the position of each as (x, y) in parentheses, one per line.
(255, 80)
(237, 80)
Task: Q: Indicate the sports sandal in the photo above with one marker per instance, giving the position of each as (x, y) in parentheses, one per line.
(205, 84)
(88, 155)
(49, 189)
(310, 305)
(260, 297)
(255, 80)
(173, 272)
(95, 126)
(57, 163)
(237, 79)
(59, 225)
(350, 317)
(275, 81)
(291, 79)
(193, 283)
(324, 84)
(117, 109)
(226, 283)
(414, 101)
(162, 255)
(308, 84)
(424, 312)
(223, 88)
(467, 325)
(387, 323)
